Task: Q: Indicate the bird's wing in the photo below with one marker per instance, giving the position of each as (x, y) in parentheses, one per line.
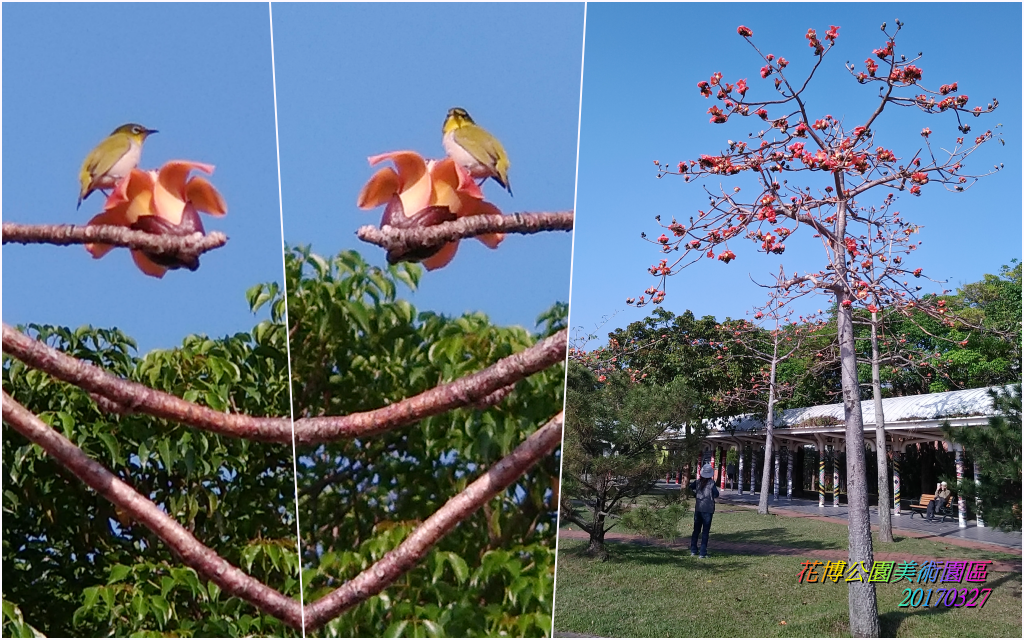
(106, 154)
(483, 146)
(494, 149)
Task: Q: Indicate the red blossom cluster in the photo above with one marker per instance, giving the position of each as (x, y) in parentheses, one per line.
(661, 269)
(813, 42)
(798, 141)
(909, 74)
(719, 165)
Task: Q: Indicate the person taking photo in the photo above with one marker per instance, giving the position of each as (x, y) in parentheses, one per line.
(705, 491)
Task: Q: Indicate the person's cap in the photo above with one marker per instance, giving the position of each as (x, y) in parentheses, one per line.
(706, 471)
(944, 484)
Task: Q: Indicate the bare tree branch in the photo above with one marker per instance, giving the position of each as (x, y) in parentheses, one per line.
(459, 393)
(130, 396)
(414, 548)
(184, 248)
(402, 242)
(236, 582)
(192, 552)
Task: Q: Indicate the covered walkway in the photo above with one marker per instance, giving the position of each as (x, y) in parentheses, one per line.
(910, 421)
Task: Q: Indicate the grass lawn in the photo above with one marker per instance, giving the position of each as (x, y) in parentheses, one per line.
(654, 591)
(742, 524)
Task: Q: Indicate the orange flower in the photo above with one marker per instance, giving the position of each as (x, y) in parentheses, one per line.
(163, 202)
(421, 193)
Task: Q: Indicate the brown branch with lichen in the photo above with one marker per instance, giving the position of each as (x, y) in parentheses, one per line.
(400, 243)
(183, 248)
(125, 396)
(192, 552)
(236, 582)
(414, 548)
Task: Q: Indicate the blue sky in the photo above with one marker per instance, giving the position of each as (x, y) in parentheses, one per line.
(355, 80)
(201, 75)
(641, 103)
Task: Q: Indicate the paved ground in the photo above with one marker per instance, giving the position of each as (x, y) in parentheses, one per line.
(949, 531)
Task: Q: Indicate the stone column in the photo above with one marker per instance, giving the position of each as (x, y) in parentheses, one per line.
(961, 503)
(753, 468)
(835, 476)
(739, 469)
(789, 471)
(724, 464)
(776, 449)
(821, 476)
(977, 501)
(896, 457)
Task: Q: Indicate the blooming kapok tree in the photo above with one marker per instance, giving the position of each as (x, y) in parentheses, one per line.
(883, 253)
(771, 345)
(844, 153)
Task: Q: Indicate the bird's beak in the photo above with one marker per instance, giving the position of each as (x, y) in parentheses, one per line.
(150, 132)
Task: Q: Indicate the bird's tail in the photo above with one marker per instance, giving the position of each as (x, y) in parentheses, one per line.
(504, 183)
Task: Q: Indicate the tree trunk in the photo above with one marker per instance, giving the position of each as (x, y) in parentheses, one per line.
(863, 603)
(884, 497)
(596, 546)
(769, 424)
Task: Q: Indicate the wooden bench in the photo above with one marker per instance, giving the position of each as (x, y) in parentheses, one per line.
(944, 511)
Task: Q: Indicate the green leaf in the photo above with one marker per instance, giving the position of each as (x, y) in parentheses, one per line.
(118, 573)
(459, 566)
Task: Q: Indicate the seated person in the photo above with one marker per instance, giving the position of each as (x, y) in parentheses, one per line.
(941, 493)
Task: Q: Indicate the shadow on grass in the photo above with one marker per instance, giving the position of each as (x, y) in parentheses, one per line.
(779, 537)
(641, 552)
(891, 621)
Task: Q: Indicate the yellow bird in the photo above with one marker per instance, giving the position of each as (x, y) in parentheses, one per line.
(471, 146)
(112, 159)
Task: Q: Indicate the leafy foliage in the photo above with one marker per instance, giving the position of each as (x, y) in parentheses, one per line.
(998, 451)
(612, 453)
(922, 354)
(656, 521)
(74, 565)
(356, 346)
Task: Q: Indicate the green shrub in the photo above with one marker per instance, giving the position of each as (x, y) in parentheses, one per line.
(658, 521)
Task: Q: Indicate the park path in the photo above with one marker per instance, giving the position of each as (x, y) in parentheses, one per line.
(752, 548)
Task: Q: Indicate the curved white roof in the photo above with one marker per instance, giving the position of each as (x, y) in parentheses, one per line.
(927, 407)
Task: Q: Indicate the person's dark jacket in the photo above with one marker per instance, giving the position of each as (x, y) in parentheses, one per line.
(705, 498)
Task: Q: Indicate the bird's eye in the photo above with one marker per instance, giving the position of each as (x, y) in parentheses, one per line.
(136, 130)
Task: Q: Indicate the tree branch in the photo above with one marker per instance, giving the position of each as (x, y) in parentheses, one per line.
(192, 552)
(401, 242)
(134, 397)
(459, 393)
(181, 247)
(414, 548)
